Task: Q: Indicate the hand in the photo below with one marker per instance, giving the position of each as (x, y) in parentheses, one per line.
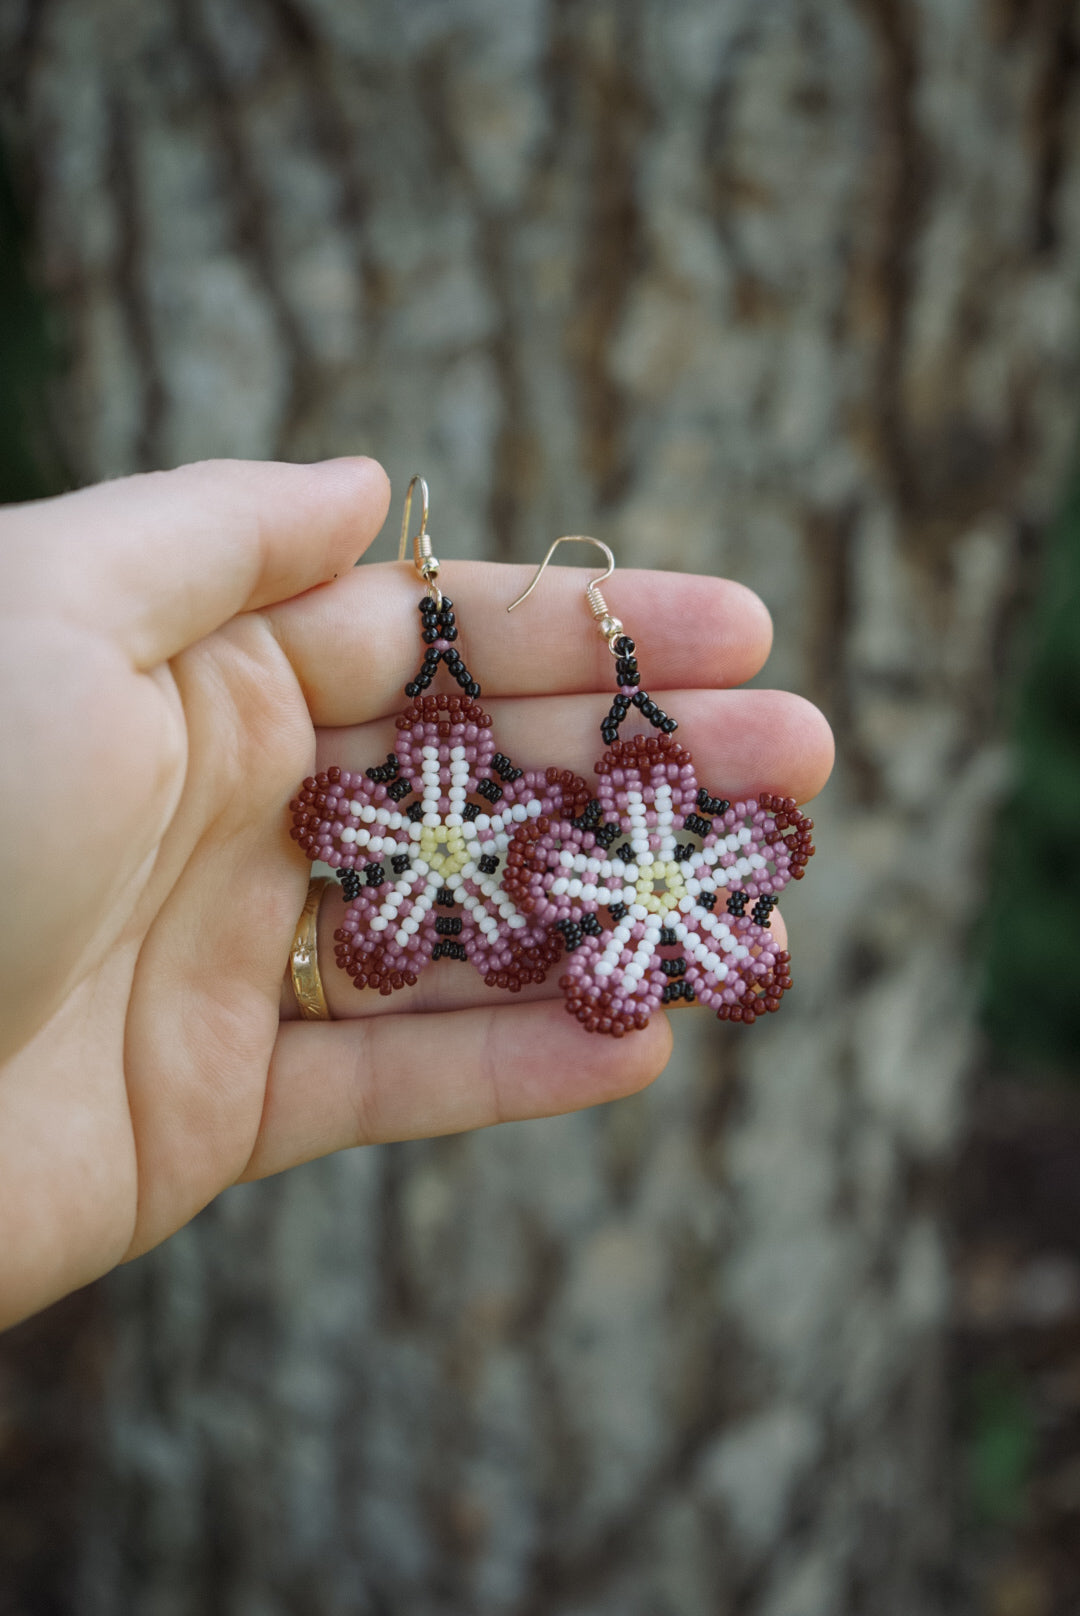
(170, 643)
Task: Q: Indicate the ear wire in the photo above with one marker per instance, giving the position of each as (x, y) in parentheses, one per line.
(424, 559)
(609, 625)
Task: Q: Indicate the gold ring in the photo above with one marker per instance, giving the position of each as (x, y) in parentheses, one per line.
(304, 959)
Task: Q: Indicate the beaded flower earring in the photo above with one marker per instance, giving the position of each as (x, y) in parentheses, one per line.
(649, 887)
(419, 841)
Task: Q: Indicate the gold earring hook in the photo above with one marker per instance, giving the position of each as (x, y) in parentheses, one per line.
(425, 562)
(609, 625)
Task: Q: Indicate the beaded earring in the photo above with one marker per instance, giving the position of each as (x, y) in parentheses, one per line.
(648, 888)
(419, 841)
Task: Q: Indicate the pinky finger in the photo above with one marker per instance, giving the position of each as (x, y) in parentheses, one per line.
(382, 1078)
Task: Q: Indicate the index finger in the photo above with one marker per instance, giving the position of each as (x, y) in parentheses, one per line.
(160, 560)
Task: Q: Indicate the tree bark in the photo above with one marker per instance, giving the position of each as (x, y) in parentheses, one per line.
(785, 291)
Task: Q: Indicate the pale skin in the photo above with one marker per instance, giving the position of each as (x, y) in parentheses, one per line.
(177, 651)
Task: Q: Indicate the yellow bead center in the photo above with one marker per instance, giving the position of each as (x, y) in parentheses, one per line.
(444, 848)
(660, 886)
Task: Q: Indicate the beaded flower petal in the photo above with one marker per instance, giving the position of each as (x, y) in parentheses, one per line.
(419, 842)
(649, 887)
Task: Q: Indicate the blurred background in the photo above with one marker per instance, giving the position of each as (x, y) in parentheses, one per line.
(784, 290)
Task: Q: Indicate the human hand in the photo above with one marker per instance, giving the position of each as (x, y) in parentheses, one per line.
(169, 645)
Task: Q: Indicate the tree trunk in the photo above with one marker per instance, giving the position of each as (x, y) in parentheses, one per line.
(785, 291)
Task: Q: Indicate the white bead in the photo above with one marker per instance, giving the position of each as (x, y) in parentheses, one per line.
(401, 936)
(533, 809)
(638, 911)
(518, 812)
(421, 866)
(348, 834)
(685, 905)
(377, 923)
(453, 821)
(588, 891)
(457, 752)
(415, 832)
(368, 815)
(559, 887)
(356, 808)
(431, 820)
(602, 968)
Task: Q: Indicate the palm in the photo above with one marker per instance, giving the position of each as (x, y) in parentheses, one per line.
(150, 1065)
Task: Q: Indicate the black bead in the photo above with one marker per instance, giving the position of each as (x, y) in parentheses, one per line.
(415, 812)
(707, 900)
(384, 771)
(618, 911)
(399, 789)
(470, 811)
(375, 874)
(674, 967)
(504, 768)
(489, 864)
(625, 852)
(667, 937)
(696, 825)
(447, 925)
(592, 926)
(489, 789)
(399, 863)
(445, 897)
(711, 805)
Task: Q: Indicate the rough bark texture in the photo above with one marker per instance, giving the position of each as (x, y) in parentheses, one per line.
(785, 290)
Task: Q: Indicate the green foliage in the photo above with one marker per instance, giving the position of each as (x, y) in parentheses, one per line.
(1032, 978)
(1000, 1446)
(30, 463)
